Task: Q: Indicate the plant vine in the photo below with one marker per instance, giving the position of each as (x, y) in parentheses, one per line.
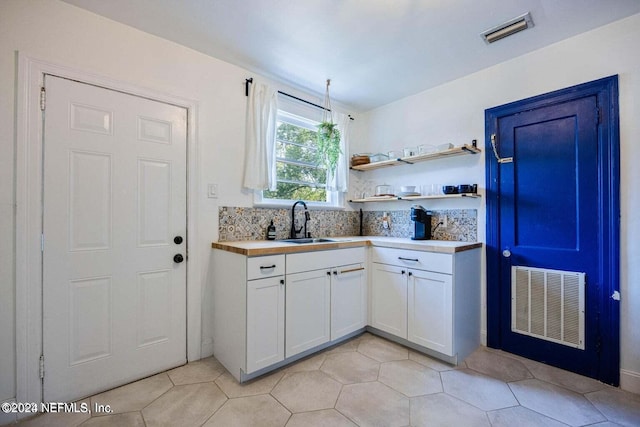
(328, 137)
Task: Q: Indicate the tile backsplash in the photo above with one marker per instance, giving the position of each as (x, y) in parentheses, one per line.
(251, 223)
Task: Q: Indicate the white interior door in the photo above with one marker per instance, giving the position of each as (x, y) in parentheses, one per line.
(114, 300)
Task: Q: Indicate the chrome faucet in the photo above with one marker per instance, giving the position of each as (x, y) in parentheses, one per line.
(294, 231)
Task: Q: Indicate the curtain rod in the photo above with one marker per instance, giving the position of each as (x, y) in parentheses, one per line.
(248, 81)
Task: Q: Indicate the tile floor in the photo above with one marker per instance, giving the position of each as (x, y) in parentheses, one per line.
(367, 381)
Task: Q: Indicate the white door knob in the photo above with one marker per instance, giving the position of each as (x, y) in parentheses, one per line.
(506, 253)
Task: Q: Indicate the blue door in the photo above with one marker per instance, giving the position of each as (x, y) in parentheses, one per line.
(552, 229)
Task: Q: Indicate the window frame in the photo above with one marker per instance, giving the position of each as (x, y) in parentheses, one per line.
(335, 199)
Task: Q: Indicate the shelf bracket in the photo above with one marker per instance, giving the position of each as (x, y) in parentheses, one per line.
(469, 150)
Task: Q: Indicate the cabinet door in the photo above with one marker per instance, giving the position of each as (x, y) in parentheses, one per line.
(265, 322)
(348, 300)
(431, 310)
(389, 299)
(308, 310)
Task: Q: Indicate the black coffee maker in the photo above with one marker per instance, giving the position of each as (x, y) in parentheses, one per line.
(422, 220)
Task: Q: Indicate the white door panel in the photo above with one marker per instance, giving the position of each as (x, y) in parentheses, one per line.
(348, 300)
(389, 299)
(265, 322)
(430, 312)
(307, 311)
(114, 198)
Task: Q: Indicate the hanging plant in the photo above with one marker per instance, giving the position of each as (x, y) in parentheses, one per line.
(328, 138)
(329, 145)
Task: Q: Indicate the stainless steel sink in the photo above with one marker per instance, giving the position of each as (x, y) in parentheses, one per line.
(308, 240)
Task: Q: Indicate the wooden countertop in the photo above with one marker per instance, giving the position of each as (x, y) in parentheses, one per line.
(272, 247)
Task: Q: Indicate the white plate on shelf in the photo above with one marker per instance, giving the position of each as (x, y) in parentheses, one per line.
(408, 194)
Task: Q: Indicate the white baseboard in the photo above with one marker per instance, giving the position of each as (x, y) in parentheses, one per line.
(483, 337)
(9, 418)
(630, 381)
(207, 348)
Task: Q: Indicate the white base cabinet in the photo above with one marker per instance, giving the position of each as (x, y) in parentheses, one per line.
(325, 297)
(271, 310)
(268, 310)
(248, 311)
(429, 299)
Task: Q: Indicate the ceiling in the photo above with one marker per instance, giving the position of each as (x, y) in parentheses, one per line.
(374, 51)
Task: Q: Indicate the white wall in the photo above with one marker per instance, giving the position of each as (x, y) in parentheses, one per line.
(454, 112)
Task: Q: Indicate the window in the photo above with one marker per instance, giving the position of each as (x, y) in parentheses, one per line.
(299, 177)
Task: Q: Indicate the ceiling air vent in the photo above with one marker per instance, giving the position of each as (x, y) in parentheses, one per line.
(510, 27)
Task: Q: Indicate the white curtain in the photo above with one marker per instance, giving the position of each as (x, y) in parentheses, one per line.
(260, 149)
(339, 181)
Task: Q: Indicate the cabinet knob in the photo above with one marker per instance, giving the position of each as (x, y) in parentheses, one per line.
(282, 281)
(402, 272)
(328, 273)
(410, 274)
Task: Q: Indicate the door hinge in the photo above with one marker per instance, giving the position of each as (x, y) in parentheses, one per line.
(598, 115)
(42, 242)
(42, 366)
(43, 98)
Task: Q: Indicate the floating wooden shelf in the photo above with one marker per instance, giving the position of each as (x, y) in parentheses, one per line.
(396, 198)
(455, 151)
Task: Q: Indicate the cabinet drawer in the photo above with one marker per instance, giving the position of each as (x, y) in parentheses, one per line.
(308, 261)
(429, 261)
(265, 266)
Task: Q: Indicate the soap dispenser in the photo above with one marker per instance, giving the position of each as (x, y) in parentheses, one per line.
(271, 231)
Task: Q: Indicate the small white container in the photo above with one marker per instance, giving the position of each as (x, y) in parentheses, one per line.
(444, 147)
(426, 149)
(431, 190)
(410, 151)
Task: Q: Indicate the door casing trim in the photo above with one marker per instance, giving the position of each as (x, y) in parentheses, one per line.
(28, 226)
(606, 91)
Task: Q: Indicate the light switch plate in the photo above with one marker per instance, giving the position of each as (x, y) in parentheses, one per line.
(212, 191)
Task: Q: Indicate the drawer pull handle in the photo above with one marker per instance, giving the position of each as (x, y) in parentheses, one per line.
(351, 270)
(267, 267)
(409, 259)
